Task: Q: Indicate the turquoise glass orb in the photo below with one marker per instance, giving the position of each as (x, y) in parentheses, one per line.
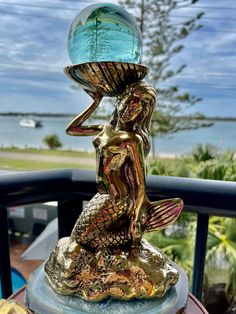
(104, 32)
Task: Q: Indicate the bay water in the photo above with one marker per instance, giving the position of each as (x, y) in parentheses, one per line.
(222, 134)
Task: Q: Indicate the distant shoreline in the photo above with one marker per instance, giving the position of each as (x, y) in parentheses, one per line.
(34, 114)
(65, 115)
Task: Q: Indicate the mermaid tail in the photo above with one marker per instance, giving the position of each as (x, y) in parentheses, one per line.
(161, 214)
(102, 222)
(105, 221)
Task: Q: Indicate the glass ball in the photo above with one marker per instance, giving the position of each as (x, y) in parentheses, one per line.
(104, 32)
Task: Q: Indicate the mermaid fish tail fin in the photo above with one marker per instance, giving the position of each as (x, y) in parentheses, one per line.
(161, 214)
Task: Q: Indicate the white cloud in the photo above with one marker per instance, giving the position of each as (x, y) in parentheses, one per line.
(34, 49)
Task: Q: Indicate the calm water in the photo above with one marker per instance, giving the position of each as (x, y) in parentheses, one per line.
(221, 134)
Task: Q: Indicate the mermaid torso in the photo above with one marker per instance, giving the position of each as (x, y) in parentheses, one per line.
(115, 174)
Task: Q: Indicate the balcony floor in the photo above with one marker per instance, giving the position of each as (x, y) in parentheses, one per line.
(25, 267)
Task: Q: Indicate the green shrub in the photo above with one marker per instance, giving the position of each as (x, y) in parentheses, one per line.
(204, 152)
(52, 141)
(160, 168)
(222, 168)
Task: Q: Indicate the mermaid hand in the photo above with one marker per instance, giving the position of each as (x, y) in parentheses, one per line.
(135, 230)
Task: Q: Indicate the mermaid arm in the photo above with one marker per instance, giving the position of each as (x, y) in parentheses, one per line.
(76, 128)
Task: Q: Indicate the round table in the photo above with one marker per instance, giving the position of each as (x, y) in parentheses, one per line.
(193, 305)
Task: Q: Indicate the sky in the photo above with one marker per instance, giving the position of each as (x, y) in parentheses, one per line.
(33, 53)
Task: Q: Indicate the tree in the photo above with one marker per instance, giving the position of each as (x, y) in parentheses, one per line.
(207, 162)
(179, 244)
(221, 243)
(163, 40)
(52, 141)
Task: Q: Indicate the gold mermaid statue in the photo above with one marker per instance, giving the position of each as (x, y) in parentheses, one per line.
(105, 255)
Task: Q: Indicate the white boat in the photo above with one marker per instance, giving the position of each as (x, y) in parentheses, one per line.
(30, 123)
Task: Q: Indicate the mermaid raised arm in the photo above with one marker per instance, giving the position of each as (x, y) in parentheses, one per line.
(76, 126)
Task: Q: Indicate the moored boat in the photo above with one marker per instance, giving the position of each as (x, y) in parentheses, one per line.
(30, 123)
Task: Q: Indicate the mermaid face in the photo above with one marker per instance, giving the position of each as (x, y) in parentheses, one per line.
(129, 108)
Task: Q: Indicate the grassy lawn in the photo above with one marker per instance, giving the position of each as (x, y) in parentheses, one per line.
(29, 165)
(67, 153)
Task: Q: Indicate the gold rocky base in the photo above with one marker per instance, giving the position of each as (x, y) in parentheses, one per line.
(144, 272)
(12, 307)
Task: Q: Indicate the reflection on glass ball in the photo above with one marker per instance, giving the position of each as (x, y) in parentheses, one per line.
(104, 32)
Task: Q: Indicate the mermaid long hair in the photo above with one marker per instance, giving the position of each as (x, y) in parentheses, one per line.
(141, 125)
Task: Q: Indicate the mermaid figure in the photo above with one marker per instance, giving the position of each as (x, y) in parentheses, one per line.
(121, 211)
(112, 224)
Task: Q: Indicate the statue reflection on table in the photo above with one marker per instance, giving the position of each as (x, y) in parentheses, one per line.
(106, 256)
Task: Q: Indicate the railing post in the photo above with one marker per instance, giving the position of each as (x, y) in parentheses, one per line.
(200, 254)
(68, 213)
(5, 266)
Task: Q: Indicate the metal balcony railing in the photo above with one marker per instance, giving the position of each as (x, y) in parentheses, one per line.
(71, 187)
